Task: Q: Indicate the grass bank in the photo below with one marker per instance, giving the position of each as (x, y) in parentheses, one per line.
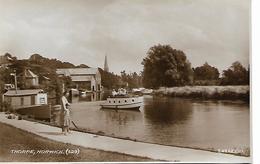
(12, 138)
(207, 92)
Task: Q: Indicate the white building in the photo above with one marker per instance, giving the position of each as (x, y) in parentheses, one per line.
(84, 78)
(30, 78)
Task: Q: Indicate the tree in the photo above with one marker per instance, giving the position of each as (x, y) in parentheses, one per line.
(235, 75)
(131, 80)
(110, 80)
(165, 66)
(206, 72)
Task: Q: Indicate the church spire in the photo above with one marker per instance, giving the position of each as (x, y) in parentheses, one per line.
(106, 65)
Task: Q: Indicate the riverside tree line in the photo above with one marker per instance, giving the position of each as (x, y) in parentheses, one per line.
(168, 67)
(163, 67)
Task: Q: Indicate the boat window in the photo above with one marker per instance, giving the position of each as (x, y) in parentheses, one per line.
(114, 101)
(125, 100)
(109, 101)
(118, 101)
(133, 100)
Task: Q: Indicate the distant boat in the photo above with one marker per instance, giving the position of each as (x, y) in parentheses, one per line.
(74, 92)
(83, 93)
(147, 91)
(123, 102)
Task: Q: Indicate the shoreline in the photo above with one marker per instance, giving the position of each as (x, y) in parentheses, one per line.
(239, 92)
(85, 154)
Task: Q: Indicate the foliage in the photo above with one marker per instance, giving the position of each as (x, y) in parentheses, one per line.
(51, 63)
(5, 78)
(235, 75)
(207, 92)
(82, 66)
(165, 66)
(131, 80)
(206, 72)
(110, 80)
(54, 88)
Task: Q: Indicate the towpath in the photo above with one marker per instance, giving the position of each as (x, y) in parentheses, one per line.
(154, 151)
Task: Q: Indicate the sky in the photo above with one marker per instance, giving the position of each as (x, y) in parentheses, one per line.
(84, 31)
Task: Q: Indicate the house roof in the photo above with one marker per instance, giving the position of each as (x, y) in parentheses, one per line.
(77, 71)
(46, 78)
(23, 92)
(29, 73)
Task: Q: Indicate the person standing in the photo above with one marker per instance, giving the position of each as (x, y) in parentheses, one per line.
(65, 114)
(67, 119)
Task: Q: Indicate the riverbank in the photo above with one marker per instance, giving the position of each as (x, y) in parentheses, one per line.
(13, 139)
(154, 151)
(207, 92)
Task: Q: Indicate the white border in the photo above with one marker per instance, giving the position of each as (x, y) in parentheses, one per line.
(255, 79)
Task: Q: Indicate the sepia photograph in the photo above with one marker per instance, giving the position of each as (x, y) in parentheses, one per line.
(125, 81)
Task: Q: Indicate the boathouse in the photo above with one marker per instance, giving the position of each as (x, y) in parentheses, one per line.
(84, 78)
(25, 98)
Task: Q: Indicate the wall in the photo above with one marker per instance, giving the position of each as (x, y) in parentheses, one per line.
(41, 99)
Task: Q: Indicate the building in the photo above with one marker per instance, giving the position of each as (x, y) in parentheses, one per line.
(30, 78)
(25, 98)
(106, 65)
(84, 78)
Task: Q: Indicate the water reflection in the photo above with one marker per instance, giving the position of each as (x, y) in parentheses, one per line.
(121, 117)
(92, 96)
(166, 111)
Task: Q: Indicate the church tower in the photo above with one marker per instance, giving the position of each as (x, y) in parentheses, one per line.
(106, 65)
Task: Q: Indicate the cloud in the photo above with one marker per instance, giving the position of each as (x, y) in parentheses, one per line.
(216, 31)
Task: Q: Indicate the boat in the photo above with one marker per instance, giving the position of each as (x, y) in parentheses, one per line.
(130, 102)
(30, 102)
(147, 91)
(42, 112)
(74, 92)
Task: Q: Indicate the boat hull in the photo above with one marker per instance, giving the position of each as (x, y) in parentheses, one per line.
(132, 103)
(38, 112)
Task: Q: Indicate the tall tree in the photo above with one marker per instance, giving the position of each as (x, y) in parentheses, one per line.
(235, 75)
(206, 72)
(165, 66)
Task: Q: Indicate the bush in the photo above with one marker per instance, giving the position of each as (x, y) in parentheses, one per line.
(207, 92)
(5, 106)
(20, 117)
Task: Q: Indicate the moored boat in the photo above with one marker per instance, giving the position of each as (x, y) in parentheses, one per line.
(30, 102)
(74, 92)
(123, 102)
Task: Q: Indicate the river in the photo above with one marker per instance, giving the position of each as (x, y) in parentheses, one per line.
(210, 125)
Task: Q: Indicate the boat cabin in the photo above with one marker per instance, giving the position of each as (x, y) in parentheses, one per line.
(25, 98)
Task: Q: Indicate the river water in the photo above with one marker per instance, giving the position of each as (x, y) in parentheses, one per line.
(173, 121)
